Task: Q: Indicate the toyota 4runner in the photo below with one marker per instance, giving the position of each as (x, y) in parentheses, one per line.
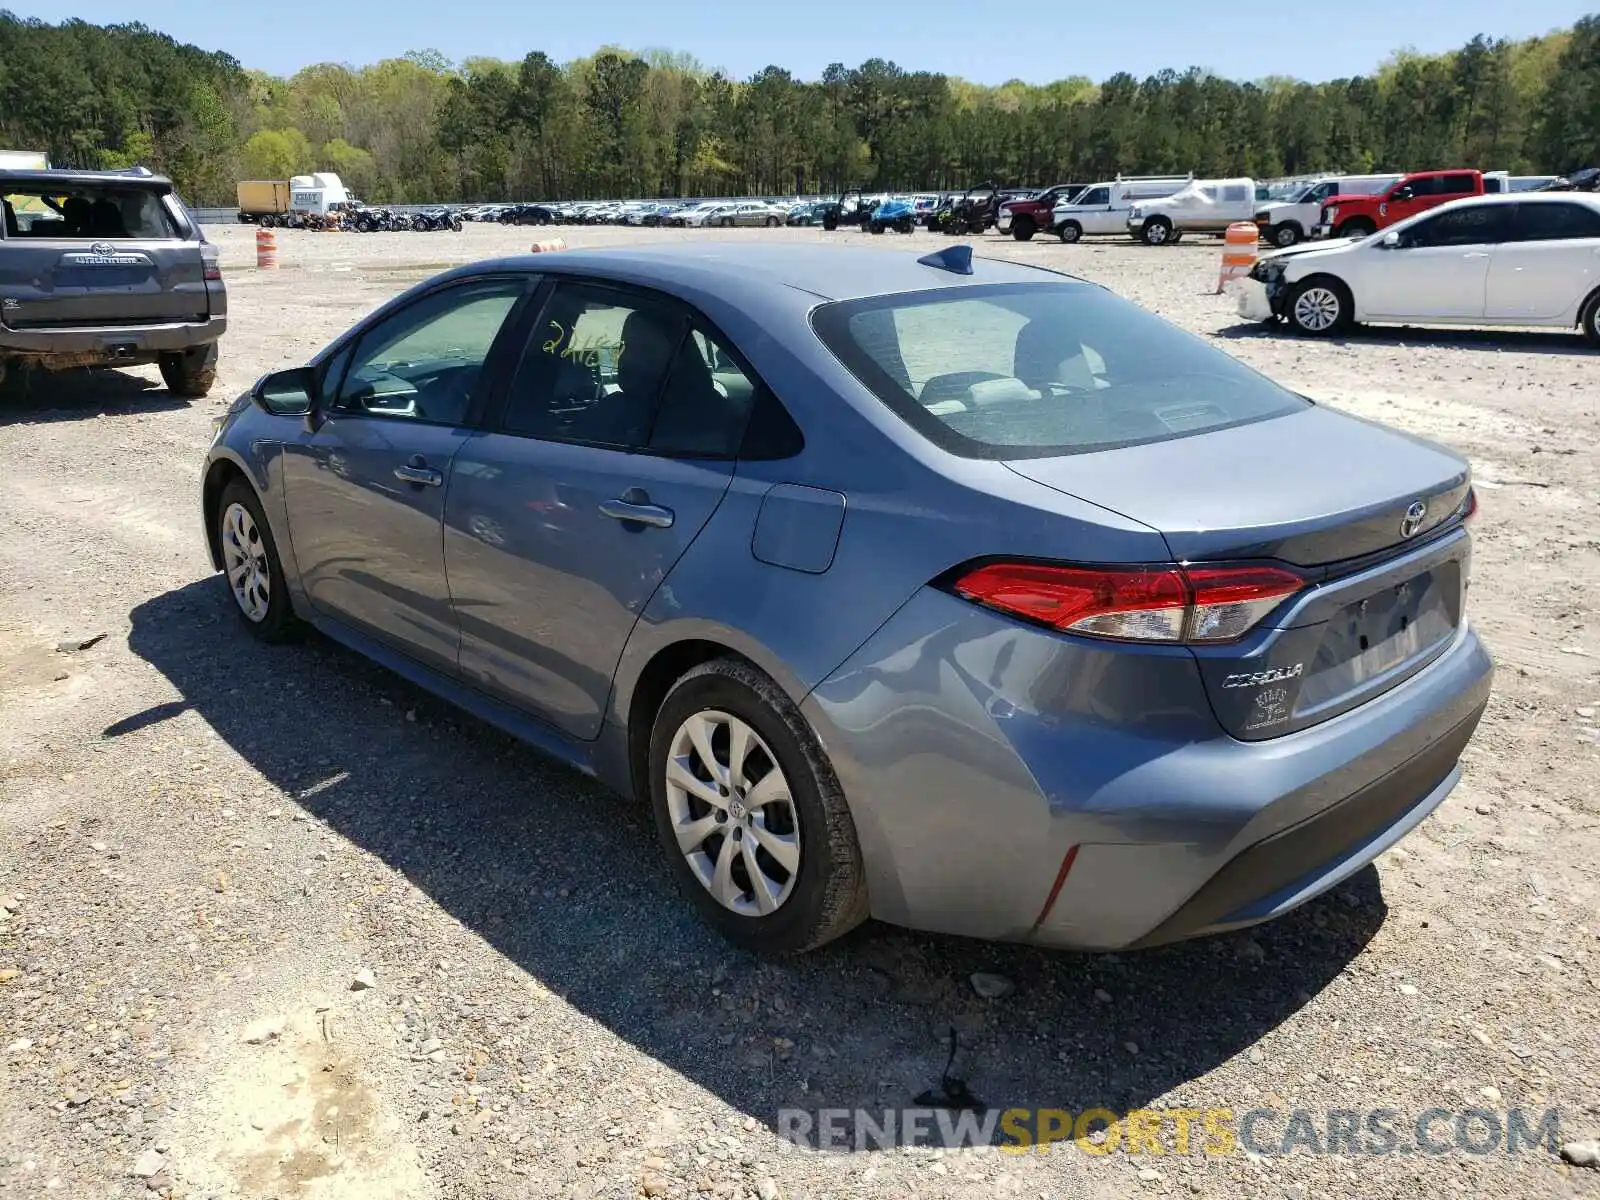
(107, 268)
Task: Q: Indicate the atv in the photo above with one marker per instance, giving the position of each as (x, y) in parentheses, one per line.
(968, 214)
(897, 213)
(848, 209)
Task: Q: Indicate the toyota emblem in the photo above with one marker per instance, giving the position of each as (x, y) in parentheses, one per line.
(1411, 523)
(103, 248)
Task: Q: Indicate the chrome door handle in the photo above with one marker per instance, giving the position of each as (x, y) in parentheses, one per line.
(425, 476)
(642, 514)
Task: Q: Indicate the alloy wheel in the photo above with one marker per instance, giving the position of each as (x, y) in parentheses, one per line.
(733, 814)
(244, 557)
(1316, 309)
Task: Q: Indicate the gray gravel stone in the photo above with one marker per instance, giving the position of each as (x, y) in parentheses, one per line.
(1582, 1154)
(991, 987)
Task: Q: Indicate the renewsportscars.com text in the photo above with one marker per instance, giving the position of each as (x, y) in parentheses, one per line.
(1261, 1131)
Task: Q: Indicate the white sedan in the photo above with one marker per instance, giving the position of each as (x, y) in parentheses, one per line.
(1516, 259)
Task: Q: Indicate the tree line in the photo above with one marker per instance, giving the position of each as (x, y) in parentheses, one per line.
(656, 123)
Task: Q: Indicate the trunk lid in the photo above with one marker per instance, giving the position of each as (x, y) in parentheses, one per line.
(1333, 496)
(131, 263)
(1312, 488)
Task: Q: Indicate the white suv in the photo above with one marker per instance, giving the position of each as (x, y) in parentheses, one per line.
(1205, 206)
(1104, 207)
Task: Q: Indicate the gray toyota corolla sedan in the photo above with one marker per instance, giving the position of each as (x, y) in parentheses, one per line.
(956, 593)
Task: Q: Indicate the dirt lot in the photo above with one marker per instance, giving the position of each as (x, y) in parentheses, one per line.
(204, 843)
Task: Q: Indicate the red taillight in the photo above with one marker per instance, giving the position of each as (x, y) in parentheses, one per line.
(1149, 604)
(1472, 505)
(211, 267)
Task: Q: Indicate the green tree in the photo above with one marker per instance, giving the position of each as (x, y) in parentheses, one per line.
(277, 154)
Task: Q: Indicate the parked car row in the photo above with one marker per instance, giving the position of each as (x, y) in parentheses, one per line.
(693, 213)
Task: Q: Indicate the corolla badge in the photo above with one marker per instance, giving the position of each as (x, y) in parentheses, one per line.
(1261, 678)
(1411, 523)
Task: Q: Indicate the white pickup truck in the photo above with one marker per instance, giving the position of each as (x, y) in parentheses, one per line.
(1204, 206)
(1103, 208)
(1293, 218)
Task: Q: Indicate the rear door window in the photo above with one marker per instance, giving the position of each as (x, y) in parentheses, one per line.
(1022, 371)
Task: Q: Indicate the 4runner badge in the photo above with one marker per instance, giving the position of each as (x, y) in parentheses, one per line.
(104, 254)
(1261, 678)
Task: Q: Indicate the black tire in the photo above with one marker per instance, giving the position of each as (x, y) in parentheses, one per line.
(830, 222)
(1157, 231)
(190, 373)
(828, 896)
(1023, 229)
(1338, 304)
(1284, 235)
(905, 225)
(727, 222)
(1589, 322)
(455, 224)
(1070, 232)
(278, 624)
(875, 226)
(1359, 227)
(772, 222)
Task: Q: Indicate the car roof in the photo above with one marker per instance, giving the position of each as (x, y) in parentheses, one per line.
(58, 177)
(1589, 198)
(827, 272)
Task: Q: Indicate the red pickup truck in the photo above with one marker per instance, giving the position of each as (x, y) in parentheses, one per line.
(1024, 217)
(1357, 216)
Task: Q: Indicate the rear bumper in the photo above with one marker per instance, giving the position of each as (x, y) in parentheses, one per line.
(109, 343)
(977, 752)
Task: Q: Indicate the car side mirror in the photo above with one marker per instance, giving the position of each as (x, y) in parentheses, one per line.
(1390, 241)
(291, 393)
(1404, 193)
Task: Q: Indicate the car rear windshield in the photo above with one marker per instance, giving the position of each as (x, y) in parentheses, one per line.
(1030, 370)
(87, 212)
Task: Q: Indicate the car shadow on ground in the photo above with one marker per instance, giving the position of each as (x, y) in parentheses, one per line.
(80, 394)
(1491, 341)
(567, 882)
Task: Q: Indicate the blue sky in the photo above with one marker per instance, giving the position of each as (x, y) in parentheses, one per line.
(984, 42)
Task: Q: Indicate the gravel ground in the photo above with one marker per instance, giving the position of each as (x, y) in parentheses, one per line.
(275, 924)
